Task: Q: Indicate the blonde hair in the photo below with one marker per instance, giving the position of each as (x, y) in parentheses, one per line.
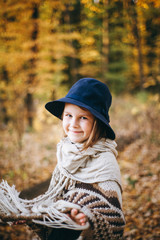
(98, 131)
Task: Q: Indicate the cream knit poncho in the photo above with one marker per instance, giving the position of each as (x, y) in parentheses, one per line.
(96, 164)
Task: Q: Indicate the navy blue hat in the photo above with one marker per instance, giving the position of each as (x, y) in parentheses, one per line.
(90, 94)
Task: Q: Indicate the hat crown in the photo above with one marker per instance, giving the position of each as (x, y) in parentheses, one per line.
(92, 93)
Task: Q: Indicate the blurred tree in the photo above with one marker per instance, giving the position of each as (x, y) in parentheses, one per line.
(134, 21)
(70, 23)
(58, 46)
(105, 40)
(4, 116)
(12, 59)
(31, 65)
(152, 41)
(91, 39)
(117, 48)
(143, 25)
(46, 46)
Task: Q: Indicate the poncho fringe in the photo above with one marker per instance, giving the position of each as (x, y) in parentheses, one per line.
(96, 164)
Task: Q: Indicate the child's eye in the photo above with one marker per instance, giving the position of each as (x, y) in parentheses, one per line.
(68, 115)
(84, 118)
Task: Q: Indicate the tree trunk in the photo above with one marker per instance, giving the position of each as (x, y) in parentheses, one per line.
(105, 41)
(32, 65)
(3, 98)
(71, 18)
(137, 36)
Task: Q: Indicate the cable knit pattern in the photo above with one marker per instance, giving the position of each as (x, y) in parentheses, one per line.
(87, 180)
(101, 203)
(99, 198)
(102, 207)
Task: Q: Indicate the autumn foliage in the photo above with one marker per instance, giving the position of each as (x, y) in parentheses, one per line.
(45, 47)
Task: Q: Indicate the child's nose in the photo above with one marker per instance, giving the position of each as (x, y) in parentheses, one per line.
(74, 122)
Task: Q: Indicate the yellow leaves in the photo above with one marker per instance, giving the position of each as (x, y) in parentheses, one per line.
(142, 4)
(2, 85)
(86, 1)
(85, 70)
(88, 53)
(155, 99)
(148, 3)
(139, 162)
(150, 82)
(70, 36)
(93, 7)
(88, 41)
(89, 56)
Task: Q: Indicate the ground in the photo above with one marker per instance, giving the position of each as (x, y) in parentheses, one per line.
(28, 159)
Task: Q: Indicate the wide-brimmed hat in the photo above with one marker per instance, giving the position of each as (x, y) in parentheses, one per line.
(90, 94)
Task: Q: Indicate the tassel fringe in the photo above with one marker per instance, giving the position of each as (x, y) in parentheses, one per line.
(53, 212)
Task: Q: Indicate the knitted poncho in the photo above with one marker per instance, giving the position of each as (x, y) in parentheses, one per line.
(87, 180)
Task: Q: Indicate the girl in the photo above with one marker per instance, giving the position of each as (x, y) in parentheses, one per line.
(86, 183)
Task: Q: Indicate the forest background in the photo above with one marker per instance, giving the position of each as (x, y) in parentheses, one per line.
(45, 47)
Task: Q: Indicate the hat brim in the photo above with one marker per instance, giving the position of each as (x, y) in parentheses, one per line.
(56, 108)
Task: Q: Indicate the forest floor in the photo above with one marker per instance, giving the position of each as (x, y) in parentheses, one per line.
(28, 159)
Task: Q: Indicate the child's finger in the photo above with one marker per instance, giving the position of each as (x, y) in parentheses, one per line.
(19, 222)
(74, 212)
(83, 220)
(80, 216)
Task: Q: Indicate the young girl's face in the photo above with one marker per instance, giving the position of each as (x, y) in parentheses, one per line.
(77, 123)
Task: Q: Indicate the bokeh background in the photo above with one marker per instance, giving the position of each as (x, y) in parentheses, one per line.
(45, 47)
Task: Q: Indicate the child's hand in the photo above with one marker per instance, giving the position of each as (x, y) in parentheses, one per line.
(78, 217)
(19, 222)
